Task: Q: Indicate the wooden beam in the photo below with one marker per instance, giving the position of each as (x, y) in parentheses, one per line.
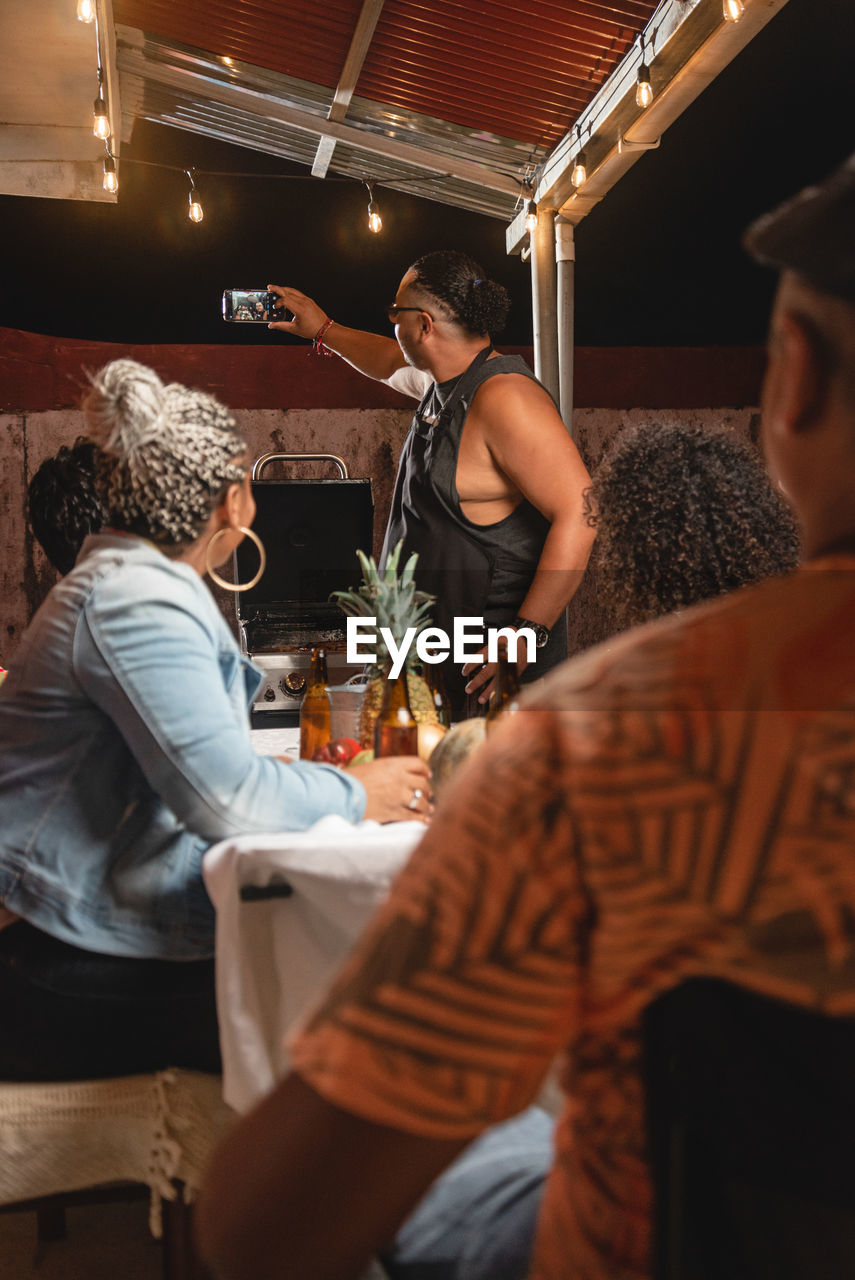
(48, 82)
(107, 46)
(353, 63)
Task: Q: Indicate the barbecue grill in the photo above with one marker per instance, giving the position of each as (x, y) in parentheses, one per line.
(311, 530)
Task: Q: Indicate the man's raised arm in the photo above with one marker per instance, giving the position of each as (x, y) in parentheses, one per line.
(372, 354)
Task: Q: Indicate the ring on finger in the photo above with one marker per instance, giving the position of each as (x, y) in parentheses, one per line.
(417, 795)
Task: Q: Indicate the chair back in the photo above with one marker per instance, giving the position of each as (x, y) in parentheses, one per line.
(750, 1107)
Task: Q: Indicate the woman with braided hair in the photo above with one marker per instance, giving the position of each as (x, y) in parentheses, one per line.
(125, 753)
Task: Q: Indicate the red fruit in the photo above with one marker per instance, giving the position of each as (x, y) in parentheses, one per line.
(339, 751)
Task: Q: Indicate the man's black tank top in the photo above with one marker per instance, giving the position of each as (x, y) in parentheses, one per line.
(474, 570)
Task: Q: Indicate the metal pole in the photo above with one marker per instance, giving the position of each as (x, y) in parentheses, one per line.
(543, 302)
(565, 256)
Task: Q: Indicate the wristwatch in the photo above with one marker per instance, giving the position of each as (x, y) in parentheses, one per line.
(541, 633)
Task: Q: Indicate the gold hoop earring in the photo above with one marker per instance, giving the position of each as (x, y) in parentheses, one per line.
(236, 586)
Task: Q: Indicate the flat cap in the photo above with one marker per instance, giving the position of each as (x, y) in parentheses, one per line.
(813, 234)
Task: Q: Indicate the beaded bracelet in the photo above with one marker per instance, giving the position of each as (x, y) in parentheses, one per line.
(318, 345)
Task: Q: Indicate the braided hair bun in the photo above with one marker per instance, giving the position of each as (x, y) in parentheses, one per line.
(169, 452)
(459, 284)
(124, 409)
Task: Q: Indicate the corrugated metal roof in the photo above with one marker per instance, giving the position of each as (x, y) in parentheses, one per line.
(466, 82)
(523, 70)
(308, 41)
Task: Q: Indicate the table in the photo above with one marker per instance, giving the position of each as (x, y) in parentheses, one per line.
(276, 742)
(290, 907)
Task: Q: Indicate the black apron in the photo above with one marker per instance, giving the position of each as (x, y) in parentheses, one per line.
(474, 570)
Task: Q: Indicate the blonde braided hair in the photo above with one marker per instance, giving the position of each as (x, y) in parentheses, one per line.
(169, 452)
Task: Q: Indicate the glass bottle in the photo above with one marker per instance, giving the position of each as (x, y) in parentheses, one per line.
(396, 732)
(504, 700)
(315, 708)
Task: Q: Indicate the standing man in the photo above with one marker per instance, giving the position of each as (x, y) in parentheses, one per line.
(680, 804)
(489, 486)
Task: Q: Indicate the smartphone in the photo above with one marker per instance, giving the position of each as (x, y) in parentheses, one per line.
(250, 306)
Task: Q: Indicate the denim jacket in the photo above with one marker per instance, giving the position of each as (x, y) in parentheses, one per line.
(125, 752)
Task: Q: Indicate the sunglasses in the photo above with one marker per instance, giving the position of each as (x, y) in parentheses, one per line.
(393, 311)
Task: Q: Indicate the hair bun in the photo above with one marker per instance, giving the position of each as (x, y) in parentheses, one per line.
(124, 407)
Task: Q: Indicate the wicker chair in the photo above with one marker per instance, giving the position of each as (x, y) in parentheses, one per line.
(93, 1140)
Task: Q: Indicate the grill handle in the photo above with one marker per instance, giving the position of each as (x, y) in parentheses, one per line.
(260, 463)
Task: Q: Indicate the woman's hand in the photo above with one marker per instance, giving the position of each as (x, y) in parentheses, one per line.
(308, 316)
(398, 788)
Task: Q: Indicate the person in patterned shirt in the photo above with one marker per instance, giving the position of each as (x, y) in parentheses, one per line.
(681, 804)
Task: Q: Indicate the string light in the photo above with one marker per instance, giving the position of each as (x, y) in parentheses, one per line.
(375, 222)
(579, 175)
(643, 88)
(531, 218)
(101, 117)
(101, 120)
(579, 172)
(195, 211)
(111, 178)
(732, 10)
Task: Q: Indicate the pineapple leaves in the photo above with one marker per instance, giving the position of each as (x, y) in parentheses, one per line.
(389, 596)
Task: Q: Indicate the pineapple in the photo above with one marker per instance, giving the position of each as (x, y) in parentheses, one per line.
(396, 603)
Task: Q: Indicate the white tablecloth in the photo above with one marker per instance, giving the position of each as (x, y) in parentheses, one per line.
(275, 957)
(276, 742)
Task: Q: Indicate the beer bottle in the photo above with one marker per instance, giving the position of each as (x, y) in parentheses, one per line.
(315, 708)
(504, 700)
(396, 732)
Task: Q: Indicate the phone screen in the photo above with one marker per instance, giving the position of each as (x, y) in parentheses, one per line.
(250, 306)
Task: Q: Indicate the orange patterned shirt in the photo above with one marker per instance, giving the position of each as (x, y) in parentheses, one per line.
(681, 803)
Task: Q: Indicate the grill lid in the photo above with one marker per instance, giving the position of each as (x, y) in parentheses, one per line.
(311, 530)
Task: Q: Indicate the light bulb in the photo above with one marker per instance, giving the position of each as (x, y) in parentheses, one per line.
(111, 178)
(732, 10)
(194, 208)
(531, 218)
(86, 10)
(101, 121)
(644, 89)
(375, 222)
(580, 170)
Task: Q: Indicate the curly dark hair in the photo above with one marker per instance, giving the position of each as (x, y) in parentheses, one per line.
(458, 283)
(683, 514)
(65, 502)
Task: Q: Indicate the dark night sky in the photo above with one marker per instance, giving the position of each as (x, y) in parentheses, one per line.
(658, 262)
